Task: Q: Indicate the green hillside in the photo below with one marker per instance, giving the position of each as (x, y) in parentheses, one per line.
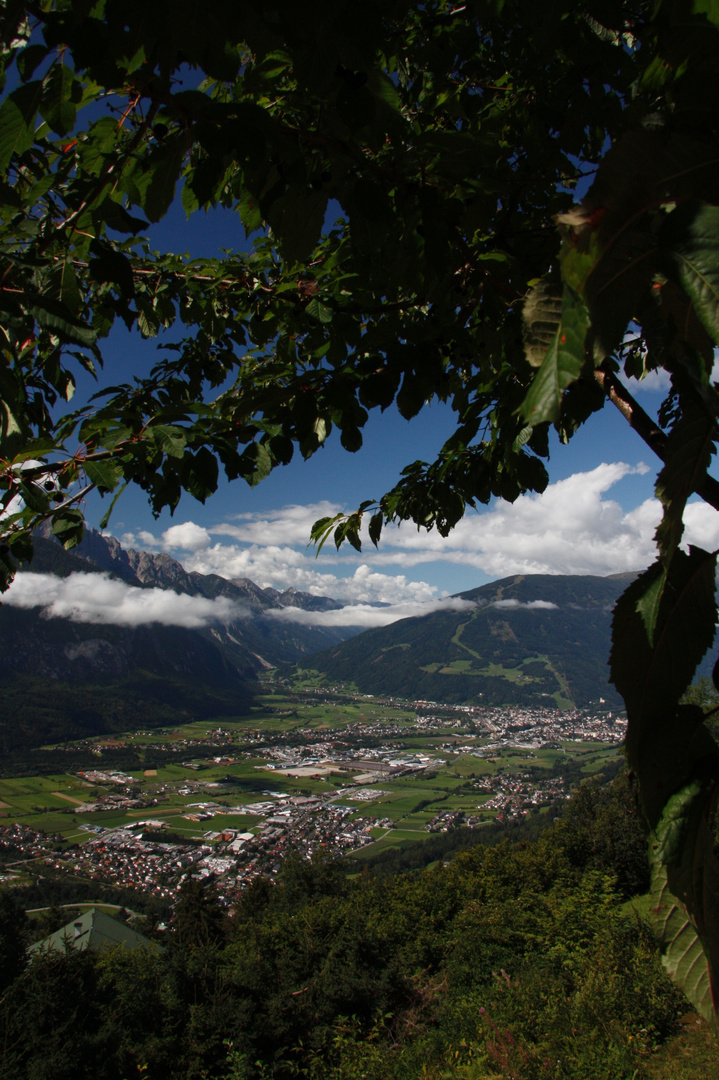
(527, 641)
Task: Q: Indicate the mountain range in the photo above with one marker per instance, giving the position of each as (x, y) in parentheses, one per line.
(528, 640)
(65, 678)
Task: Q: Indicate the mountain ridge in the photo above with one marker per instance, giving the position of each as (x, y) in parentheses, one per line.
(528, 640)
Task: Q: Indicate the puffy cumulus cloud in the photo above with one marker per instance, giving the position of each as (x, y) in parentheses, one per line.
(365, 615)
(571, 528)
(530, 605)
(269, 567)
(369, 585)
(97, 598)
(187, 537)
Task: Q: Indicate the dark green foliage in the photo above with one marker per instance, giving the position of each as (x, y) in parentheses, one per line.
(33, 714)
(198, 919)
(603, 829)
(56, 1000)
(51, 889)
(13, 938)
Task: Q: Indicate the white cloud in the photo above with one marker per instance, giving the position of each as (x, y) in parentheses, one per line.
(701, 526)
(571, 528)
(530, 605)
(365, 616)
(188, 537)
(141, 539)
(290, 525)
(97, 598)
(283, 567)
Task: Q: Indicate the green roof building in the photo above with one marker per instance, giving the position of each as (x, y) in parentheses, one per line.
(92, 930)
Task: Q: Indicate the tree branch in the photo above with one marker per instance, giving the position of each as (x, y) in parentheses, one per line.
(647, 430)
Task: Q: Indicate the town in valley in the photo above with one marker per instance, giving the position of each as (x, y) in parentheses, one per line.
(313, 771)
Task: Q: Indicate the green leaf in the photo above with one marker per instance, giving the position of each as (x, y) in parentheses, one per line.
(55, 316)
(256, 463)
(296, 218)
(524, 436)
(106, 517)
(687, 457)
(541, 316)
(684, 896)
(201, 475)
(649, 602)
(616, 229)
(689, 255)
(321, 530)
(117, 218)
(16, 135)
(353, 536)
(30, 59)
(164, 166)
(348, 530)
(68, 526)
(70, 294)
(9, 424)
(57, 107)
(710, 8)
(110, 265)
(375, 527)
(170, 440)
(34, 497)
(351, 439)
(105, 475)
(563, 363)
(319, 311)
(659, 636)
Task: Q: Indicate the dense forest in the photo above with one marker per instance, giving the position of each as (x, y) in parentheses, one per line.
(522, 958)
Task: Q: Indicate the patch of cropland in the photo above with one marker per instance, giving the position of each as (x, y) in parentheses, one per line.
(534, 640)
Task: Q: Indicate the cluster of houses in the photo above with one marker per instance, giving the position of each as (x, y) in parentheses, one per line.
(301, 824)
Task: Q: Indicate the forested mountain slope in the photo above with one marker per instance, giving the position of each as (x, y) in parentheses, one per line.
(527, 640)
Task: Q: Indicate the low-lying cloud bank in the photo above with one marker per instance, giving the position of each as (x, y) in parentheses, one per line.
(529, 605)
(365, 615)
(100, 599)
(97, 598)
